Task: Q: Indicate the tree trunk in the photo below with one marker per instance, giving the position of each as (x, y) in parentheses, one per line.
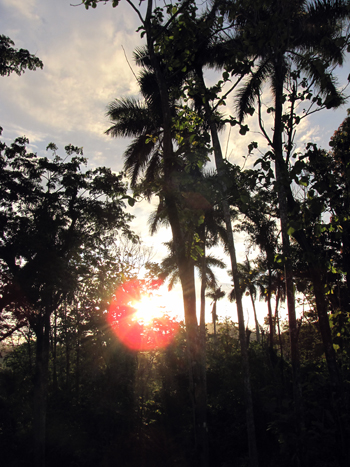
(271, 324)
(203, 285)
(321, 306)
(67, 347)
(257, 327)
(213, 312)
(253, 453)
(77, 354)
(202, 396)
(54, 355)
(196, 366)
(277, 320)
(42, 331)
(186, 268)
(282, 182)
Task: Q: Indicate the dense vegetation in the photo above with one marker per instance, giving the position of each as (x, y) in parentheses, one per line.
(70, 391)
(107, 404)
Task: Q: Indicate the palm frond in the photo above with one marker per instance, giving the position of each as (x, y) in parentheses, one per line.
(130, 116)
(173, 279)
(325, 12)
(154, 167)
(248, 93)
(169, 267)
(136, 157)
(150, 91)
(232, 295)
(141, 57)
(325, 82)
(158, 218)
(216, 294)
(214, 262)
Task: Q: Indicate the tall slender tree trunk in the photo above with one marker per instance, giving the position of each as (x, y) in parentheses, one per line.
(282, 181)
(186, 268)
(42, 331)
(286, 203)
(203, 363)
(54, 355)
(77, 354)
(257, 327)
(203, 285)
(214, 315)
(196, 366)
(277, 321)
(271, 324)
(253, 452)
(67, 346)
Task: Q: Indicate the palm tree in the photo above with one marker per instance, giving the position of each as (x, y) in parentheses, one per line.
(207, 52)
(249, 279)
(215, 294)
(271, 283)
(160, 161)
(170, 270)
(142, 121)
(210, 231)
(287, 38)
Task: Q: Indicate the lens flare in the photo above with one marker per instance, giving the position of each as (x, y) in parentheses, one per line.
(138, 318)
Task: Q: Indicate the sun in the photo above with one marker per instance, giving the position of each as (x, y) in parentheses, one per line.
(138, 316)
(148, 308)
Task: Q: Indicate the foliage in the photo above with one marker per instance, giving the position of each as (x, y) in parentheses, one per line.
(14, 60)
(53, 222)
(137, 407)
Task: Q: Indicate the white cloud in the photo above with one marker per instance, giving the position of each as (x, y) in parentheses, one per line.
(80, 77)
(84, 70)
(27, 8)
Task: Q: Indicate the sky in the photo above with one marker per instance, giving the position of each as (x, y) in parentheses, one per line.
(88, 62)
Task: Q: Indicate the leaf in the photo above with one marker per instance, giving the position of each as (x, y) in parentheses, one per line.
(279, 259)
(244, 129)
(192, 137)
(201, 220)
(225, 75)
(253, 145)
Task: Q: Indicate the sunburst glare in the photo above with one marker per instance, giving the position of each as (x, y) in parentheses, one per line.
(139, 317)
(148, 308)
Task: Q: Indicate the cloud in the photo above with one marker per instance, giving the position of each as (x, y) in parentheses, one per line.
(84, 70)
(26, 9)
